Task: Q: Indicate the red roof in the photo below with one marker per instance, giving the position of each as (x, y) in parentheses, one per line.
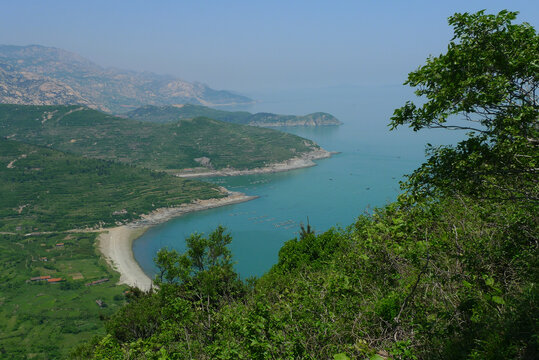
(45, 277)
(55, 280)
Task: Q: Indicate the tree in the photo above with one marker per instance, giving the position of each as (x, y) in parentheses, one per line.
(486, 83)
(205, 270)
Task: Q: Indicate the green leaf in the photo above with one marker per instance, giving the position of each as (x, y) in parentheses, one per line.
(341, 356)
(498, 300)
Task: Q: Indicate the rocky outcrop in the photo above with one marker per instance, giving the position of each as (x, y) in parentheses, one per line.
(38, 75)
(29, 88)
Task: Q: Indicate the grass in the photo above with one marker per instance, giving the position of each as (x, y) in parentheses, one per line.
(44, 321)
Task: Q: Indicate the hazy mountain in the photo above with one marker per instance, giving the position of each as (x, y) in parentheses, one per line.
(173, 113)
(21, 87)
(42, 75)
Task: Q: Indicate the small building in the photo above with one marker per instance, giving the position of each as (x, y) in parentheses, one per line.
(59, 245)
(55, 280)
(100, 303)
(44, 259)
(40, 278)
(100, 281)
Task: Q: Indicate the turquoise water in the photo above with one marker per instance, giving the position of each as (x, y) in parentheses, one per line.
(365, 174)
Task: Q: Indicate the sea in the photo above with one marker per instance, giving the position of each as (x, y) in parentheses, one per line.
(365, 174)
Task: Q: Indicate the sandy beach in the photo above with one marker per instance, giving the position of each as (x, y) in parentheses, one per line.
(116, 244)
(303, 161)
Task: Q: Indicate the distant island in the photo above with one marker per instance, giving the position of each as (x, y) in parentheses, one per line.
(39, 75)
(173, 113)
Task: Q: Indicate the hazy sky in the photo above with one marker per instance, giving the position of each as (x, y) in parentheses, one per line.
(250, 45)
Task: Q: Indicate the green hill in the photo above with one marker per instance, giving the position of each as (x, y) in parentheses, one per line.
(157, 146)
(173, 113)
(49, 190)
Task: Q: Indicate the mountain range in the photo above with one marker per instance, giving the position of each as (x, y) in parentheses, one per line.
(39, 75)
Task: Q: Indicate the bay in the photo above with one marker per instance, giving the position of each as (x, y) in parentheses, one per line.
(365, 174)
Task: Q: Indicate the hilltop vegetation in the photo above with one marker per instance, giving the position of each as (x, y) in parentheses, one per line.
(449, 271)
(170, 147)
(445, 281)
(173, 113)
(48, 190)
(39, 75)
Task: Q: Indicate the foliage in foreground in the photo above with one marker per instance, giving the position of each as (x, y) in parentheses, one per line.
(457, 279)
(447, 272)
(486, 84)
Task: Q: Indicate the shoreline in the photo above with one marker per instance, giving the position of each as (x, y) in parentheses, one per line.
(300, 162)
(116, 244)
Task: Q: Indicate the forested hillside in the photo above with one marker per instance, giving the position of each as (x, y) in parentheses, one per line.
(45, 190)
(184, 144)
(449, 271)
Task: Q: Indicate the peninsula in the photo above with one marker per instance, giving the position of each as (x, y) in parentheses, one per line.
(172, 147)
(173, 113)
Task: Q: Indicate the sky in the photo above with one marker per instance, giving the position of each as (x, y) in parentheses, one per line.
(250, 45)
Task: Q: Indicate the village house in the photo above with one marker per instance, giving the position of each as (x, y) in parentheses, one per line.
(97, 282)
(40, 278)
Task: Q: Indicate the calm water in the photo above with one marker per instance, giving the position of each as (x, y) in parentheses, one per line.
(365, 174)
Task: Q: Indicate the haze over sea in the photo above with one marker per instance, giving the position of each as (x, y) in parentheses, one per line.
(365, 174)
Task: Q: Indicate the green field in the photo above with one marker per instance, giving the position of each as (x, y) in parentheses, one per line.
(45, 320)
(171, 147)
